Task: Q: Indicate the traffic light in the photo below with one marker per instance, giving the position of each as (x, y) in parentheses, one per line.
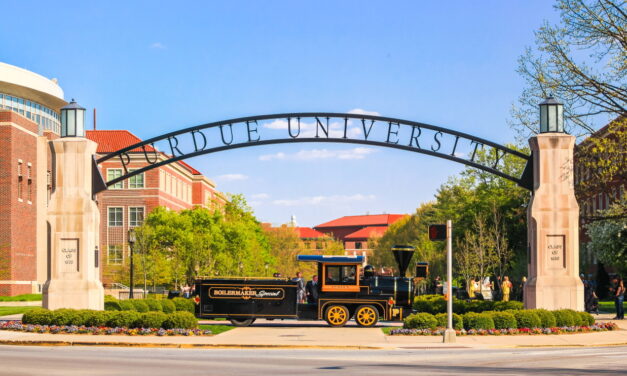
(437, 232)
(422, 269)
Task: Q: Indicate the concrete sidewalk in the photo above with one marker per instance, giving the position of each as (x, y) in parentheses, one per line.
(315, 334)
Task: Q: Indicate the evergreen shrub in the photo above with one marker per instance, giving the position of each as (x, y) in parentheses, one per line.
(152, 320)
(37, 316)
(140, 305)
(420, 320)
(564, 317)
(503, 320)
(181, 320)
(458, 322)
(168, 306)
(126, 305)
(183, 304)
(547, 318)
(123, 319)
(112, 305)
(527, 319)
(154, 305)
(473, 320)
(586, 318)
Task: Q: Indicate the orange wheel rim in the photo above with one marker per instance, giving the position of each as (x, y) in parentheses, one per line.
(366, 316)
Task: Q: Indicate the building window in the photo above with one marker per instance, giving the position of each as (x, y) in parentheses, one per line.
(116, 217)
(20, 178)
(114, 173)
(135, 216)
(136, 181)
(357, 245)
(115, 255)
(48, 186)
(29, 183)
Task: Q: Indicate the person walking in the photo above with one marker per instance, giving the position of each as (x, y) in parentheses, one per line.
(506, 288)
(312, 290)
(300, 287)
(619, 298)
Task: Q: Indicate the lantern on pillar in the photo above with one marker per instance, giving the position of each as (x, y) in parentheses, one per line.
(551, 116)
(73, 120)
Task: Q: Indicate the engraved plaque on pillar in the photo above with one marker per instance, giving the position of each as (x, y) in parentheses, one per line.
(555, 252)
(69, 255)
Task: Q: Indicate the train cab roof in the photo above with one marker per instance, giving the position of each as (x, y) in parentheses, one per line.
(331, 259)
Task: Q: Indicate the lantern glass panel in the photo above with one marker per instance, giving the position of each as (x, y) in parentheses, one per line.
(71, 123)
(560, 118)
(63, 122)
(543, 119)
(80, 123)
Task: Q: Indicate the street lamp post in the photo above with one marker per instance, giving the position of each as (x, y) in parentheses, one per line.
(131, 242)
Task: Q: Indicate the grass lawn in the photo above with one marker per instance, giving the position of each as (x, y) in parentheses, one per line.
(21, 298)
(216, 329)
(5, 311)
(386, 330)
(608, 306)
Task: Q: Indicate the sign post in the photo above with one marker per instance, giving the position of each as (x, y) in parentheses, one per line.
(449, 333)
(445, 232)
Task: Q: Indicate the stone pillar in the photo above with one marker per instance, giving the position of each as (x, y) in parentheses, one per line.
(74, 274)
(553, 227)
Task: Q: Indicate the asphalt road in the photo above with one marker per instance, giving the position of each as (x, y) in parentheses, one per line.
(26, 360)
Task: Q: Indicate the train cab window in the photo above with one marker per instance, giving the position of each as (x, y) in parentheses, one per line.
(341, 274)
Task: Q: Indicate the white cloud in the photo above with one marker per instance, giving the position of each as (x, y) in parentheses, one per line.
(260, 196)
(323, 200)
(158, 45)
(308, 129)
(232, 177)
(359, 111)
(308, 155)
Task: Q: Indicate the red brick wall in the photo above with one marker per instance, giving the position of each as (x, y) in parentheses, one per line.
(17, 218)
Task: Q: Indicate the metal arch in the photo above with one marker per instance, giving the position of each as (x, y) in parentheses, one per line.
(524, 181)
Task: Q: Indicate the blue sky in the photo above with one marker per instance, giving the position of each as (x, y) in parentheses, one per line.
(153, 67)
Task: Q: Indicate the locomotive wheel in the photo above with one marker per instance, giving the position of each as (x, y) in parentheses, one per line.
(366, 315)
(336, 315)
(242, 322)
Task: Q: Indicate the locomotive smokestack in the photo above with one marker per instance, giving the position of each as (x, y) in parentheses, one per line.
(403, 255)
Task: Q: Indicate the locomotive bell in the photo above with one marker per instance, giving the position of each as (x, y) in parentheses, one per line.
(403, 255)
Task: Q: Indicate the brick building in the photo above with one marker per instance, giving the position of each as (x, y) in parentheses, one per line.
(124, 205)
(355, 230)
(30, 107)
(600, 199)
(29, 118)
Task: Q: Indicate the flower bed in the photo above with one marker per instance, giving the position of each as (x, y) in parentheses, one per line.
(99, 330)
(601, 327)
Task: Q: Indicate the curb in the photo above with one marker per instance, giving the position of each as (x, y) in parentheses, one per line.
(182, 345)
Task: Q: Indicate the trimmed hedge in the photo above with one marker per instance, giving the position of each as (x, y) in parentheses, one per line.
(564, 317)
(586, 318)
(126, 305)
(168, 306)
(112, 305)
(180, 320)
(473, 320)
(420, 320)
(504, 320)
(547, 318)
(154, 305)
(119, 319)
(151, 320)
(140, 305)
(527, 319)
(458, 321)
(435, 304)
(183, 304)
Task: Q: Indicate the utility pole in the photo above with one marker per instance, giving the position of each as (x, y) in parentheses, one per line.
(449, 333)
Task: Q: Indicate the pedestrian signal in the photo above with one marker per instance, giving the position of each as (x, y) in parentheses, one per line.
(437, 232)
(422, 269)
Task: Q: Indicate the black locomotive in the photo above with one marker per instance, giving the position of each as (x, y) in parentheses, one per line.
(345, 291)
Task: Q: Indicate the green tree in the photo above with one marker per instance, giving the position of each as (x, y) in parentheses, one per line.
(582, 61)
(608, 237)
